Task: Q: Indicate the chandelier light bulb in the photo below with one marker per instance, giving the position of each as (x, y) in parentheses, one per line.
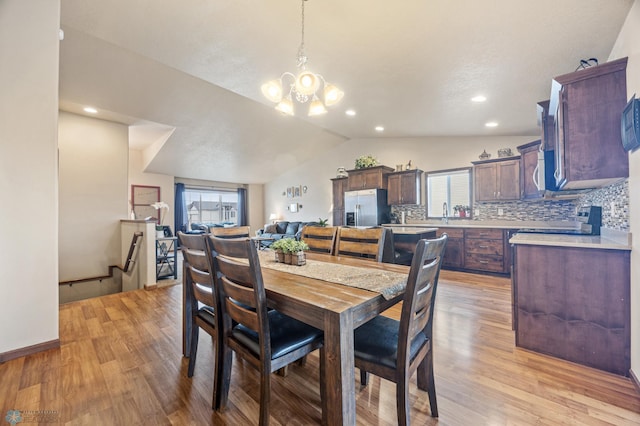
(285, 106)
(316, 107)
(272, 90)
(307, 83)
(332, 95)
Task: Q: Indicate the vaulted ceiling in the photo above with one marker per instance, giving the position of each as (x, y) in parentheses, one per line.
(186, 74)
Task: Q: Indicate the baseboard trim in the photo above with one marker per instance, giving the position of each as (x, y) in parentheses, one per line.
(634, 380)
(29, 350)
(151, 286)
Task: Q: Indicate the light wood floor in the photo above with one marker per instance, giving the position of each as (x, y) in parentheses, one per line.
(120, 363)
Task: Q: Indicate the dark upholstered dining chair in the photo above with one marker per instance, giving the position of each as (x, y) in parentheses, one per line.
(365, 243)
(231, 232)
(267, 339)
(320, 239)
(201, 301)
(393, 349)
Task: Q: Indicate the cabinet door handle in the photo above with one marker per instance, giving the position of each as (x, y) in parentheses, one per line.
(483, 246)
(483, 261)
(535, 177)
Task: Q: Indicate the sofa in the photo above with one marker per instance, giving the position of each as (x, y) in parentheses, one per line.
(282, 229)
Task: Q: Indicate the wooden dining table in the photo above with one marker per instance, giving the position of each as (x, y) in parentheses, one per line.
(336, 309)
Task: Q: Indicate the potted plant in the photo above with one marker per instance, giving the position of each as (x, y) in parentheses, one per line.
(279, 248)
(322, 222)
(162, 206)
(297, 252)
(461, 211)
(365, 161)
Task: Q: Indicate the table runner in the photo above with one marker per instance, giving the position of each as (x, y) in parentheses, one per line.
(389, 284)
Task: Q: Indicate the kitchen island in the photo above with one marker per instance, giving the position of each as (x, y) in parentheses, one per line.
(571, 297)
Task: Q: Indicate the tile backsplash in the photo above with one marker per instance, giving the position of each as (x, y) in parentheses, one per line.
(614, 200)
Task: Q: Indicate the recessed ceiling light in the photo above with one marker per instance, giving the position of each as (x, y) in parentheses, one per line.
(350, 112)
(90, 110)
(479, 98)
(379, 129)
(491, 124)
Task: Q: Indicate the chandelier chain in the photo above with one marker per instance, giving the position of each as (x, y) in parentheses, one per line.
(302, 58)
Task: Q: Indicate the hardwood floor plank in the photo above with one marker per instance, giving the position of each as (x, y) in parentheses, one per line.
(120, 363)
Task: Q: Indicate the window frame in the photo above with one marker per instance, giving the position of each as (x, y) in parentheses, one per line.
(449, 206)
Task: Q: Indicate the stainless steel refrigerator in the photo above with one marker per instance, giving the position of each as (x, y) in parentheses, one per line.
(367, 207)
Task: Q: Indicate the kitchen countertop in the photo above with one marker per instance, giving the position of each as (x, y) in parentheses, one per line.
(410, 230)
(495, 224)
(609, 240)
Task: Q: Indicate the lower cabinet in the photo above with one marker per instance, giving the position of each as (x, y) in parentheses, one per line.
(574, 303)
(454, 251)
(477, 250)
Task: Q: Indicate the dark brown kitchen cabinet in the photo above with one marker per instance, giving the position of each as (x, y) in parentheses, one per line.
(368, 178)
(529, 184)
(454, 250)
(404, 187)
(497, 179)
(574, 303)
(546, 125)
(586, 106)
(339, 186)
(484, 250)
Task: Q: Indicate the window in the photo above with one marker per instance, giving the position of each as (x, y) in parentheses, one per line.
(452, 187)
(211, 206)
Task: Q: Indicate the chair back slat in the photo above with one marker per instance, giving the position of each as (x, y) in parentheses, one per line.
(357, 242)
(420, 294)
(232, 232)
(320, 239)
(197, 269)
(240, 286)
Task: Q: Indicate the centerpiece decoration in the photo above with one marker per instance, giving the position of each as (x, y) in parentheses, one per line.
(366, 161)
(290, 251)
(163, 207)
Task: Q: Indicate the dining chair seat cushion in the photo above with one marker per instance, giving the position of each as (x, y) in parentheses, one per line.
(287, 335)
(376, 341)
(206, 313)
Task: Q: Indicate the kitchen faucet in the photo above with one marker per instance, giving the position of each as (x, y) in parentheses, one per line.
(445, 213)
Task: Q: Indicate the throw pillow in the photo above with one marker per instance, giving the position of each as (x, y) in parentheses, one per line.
(270, 228)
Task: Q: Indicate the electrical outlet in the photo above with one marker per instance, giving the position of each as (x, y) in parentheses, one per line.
(476, 212)
(613, 208)
(500, 212)
(409, 213)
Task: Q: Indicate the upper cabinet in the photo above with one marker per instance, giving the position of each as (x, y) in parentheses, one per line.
(368, 178)
(546, 125)
(404, 187)
(339, 186)
(497, 179)
(586, 106)
(529, 185)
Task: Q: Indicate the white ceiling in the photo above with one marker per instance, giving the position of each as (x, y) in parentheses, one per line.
(411, 66)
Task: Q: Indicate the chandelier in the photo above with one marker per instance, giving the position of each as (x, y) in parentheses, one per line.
(304, 87)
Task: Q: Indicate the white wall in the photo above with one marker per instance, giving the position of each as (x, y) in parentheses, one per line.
(28, 172)
(426, 154)
(92, 201)
(628, 44)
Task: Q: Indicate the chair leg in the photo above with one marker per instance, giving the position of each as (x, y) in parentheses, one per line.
(364, 377)
(302, 361)
(265, 396)
(195, 332)
(283, 372)
(224, 378)
(402, 399)
(426, 382)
